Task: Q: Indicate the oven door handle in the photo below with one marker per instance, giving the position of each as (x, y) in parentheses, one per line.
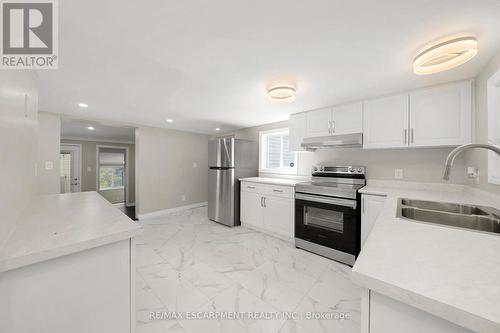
(334, 201)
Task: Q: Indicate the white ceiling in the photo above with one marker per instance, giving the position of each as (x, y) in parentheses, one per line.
(77, 129)
(206, 64)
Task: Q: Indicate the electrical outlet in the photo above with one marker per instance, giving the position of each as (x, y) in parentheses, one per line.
(195, 165)
(398, 173)
(183, 197)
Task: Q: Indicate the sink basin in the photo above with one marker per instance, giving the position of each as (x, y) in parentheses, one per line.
(479, 218)
(445, 207)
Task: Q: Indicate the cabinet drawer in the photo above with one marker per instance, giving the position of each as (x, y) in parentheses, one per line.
(253, 187)
(279, 191)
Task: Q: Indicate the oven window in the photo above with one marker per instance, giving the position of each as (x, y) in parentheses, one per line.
(324, 219)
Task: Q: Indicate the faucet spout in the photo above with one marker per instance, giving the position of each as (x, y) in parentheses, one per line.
(453, 154)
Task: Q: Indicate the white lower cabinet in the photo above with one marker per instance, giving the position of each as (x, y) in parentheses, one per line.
(278, 215)
(371, 206)
(269, 208)
(388, 315)
(251, 211)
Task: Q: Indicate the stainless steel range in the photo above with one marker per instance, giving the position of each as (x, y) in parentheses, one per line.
(328, 212)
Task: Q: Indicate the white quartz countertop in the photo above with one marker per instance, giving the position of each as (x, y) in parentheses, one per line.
(449, 272)
(61, 224)
(274, 181)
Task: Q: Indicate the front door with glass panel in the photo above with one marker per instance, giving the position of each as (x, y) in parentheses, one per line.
(70, 178)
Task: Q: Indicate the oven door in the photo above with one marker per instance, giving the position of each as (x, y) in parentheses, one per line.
(328, 221)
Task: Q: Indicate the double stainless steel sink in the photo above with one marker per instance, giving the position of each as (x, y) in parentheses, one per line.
(479, 218)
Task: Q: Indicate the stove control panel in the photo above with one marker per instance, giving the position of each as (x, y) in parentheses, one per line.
(350, 169)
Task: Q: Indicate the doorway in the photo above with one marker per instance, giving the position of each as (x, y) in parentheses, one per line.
(112, 173)
(70, 166)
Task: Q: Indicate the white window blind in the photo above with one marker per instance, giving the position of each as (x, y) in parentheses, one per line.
(274, 152)
(111, 169)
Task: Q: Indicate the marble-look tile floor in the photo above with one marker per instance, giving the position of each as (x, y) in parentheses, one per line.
(187, 263)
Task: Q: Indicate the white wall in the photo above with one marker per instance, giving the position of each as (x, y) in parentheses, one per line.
(165, 171)
(423, 164)
(478, 157)
(49, 138)
(18, 145)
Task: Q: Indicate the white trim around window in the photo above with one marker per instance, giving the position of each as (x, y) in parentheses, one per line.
(283, 154)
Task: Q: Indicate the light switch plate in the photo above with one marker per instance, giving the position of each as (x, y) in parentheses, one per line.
(195, 165)
(183, 197)
(49, 165)
(398, 173)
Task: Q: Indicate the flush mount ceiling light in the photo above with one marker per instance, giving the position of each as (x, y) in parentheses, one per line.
(169, 120)
(281, 93)
(90, 128)
(83, 105)
(217, 129)
(445, 55)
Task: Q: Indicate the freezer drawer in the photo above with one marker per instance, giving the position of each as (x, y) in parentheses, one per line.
(222, 203)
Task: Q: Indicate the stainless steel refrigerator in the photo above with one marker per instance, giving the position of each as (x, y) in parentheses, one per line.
(229, 159)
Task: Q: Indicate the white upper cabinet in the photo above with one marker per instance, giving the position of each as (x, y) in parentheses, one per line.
(318, 122)
(297, 131)
(347, 119)
(431, 117)
(385, 122)
(441, 116)
(344, 119)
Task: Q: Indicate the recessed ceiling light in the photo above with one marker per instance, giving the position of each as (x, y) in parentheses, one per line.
(217, 129)
(90, 128)
(445, 55)
(169, 120)
(83, 105)
(281, 93)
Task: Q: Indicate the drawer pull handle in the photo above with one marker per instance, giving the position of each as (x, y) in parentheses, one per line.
(251, 187)
(280, 191)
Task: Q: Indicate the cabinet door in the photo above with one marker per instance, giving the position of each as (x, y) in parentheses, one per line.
(251, 210)
(278, 215)
(297, 131)
(347, 119)
(318, 122)
(371, 207)
(385, 122)
(441, 116)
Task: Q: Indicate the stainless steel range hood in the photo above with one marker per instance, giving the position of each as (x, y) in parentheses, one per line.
(333, 141)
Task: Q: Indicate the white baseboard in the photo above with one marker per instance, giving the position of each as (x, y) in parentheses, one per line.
(170, 210)
(130, 204)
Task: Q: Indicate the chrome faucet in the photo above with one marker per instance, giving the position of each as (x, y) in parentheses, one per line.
(451, 157)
